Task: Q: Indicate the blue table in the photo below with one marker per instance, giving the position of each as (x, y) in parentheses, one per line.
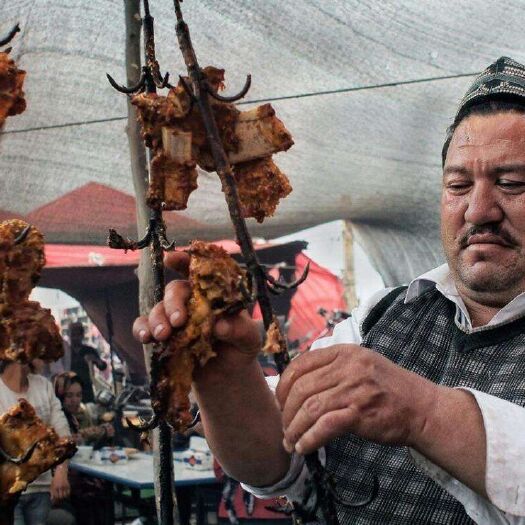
(137, 474)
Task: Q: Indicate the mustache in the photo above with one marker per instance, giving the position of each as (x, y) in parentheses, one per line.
(493, 229)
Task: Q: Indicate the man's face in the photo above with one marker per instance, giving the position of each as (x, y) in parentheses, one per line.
(483, 206)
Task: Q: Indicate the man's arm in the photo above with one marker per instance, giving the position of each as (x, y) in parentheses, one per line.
(242, 423)
(453, 437)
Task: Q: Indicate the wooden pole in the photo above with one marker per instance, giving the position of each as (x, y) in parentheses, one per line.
(139, 172)
(349, 273)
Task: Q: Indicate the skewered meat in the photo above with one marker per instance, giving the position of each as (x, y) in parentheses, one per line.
(22, 263)
(20, 429)
(261, 185)
(156, 111)
(173, 127)
(216, 281)
(12, 100)
(27, 330)
(173, 173)
(275, 341)
(258, 134)
(171, 183)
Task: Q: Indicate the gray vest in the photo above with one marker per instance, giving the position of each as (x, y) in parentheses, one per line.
(423, 337)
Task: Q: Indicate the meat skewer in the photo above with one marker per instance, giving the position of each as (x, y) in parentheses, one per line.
(37, 448)
(27, 331)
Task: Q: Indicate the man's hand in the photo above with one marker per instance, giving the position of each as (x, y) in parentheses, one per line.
(239, 334)
(60, 489)
(344, 389)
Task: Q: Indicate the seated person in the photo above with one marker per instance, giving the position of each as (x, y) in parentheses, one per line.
(69, 389)
(90, 500)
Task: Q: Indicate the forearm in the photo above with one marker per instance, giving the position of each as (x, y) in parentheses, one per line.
(242, 422)
(453, 437)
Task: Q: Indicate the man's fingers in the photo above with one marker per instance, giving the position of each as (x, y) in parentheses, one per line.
(141, 331)
(240, 331)
(313, 408)
(330, 426)
(302, 365)
(176, 296)
(178, 261)
(305, 389)
(159, 324)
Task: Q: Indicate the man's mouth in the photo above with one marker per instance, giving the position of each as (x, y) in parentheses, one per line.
(487, 238)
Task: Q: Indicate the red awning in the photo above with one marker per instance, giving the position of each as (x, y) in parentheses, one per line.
(69, 255)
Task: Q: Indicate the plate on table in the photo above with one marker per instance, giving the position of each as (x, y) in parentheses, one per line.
(110, 456)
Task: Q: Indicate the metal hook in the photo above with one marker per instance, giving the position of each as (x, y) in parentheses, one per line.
(20, 459)
(116, 241)
(23, 235)
(139, 86)
(289, 286)
(166, 245)
(196, 420)
(160, 81)
(233, 98)
(273, 290)
(10, 35)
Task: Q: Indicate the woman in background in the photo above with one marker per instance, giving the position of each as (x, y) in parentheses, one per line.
(69, 388)
(90, 499)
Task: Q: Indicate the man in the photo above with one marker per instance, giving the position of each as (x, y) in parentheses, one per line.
(425, 386)
(81, 357)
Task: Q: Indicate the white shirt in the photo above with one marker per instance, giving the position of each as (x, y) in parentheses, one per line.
(42, 397)
(504, 421)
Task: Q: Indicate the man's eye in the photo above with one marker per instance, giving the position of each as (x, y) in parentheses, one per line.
(511, 184)
(457, 186)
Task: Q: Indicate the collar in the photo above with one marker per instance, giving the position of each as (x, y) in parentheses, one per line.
(441, 279)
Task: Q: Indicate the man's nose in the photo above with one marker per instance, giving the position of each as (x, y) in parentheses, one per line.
(483, 206)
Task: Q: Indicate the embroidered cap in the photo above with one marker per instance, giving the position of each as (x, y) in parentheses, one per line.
(504, 77)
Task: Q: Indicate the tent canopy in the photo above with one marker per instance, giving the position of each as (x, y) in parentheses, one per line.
(364, 151)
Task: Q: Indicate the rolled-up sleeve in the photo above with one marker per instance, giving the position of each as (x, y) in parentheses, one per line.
(505, 433)
(504, 424)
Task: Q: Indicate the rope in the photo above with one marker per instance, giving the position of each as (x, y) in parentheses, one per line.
(261, 100)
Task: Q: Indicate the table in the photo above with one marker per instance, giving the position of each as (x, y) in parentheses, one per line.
(137, 474)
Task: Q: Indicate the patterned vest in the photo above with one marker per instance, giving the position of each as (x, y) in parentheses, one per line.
(423, 337)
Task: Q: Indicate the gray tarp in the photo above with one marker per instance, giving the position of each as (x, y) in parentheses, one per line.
(369, 155)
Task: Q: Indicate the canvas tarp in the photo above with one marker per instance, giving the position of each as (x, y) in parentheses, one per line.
(364, 151)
